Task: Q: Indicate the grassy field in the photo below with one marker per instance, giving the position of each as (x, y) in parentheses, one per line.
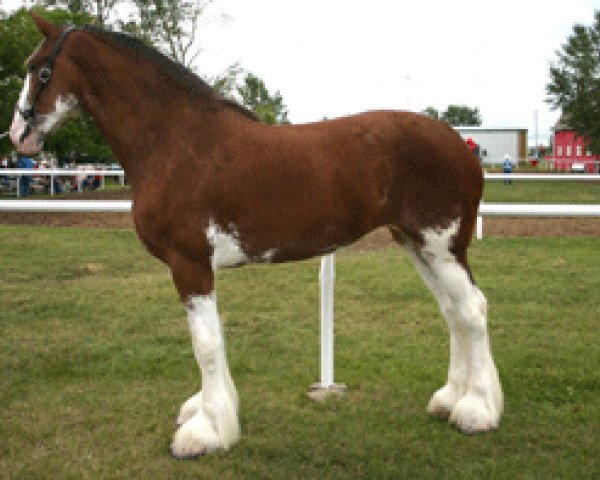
(95, 361)
(542, 191)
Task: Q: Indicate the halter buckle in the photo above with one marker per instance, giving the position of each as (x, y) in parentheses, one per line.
(45, 74)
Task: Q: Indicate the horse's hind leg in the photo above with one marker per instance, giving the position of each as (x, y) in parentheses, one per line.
(472, 396)
(210, 418)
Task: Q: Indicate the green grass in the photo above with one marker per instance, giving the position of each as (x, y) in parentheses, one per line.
(542, 191)
(95, 361)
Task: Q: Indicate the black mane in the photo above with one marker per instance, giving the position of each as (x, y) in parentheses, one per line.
(179, 73)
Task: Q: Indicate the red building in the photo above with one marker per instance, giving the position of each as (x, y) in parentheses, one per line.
(571, 153)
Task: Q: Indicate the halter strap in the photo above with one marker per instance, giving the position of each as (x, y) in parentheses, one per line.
(45, 75)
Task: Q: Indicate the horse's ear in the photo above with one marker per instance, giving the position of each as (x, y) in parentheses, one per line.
(48, 29)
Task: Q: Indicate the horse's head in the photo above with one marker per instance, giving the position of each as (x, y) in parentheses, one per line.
(46, 99)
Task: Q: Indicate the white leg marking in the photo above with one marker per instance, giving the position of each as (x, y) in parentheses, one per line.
(472, 397)
(213, 420)
(445, 398)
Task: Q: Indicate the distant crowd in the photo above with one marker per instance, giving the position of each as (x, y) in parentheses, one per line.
(25, 185)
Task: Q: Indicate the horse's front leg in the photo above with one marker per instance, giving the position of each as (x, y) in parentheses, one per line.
(209, 420)
(193, 404)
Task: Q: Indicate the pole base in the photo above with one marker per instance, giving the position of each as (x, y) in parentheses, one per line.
(320, 393)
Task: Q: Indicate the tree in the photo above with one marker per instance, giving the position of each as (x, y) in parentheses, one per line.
(100, 10)
(255, 95)
(462, 116)
(170, 25)
(575, 82)
(252, 92)
(431, 112)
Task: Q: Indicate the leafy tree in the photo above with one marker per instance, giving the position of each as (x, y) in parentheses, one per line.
(170, 25)
(255, 95)
(99, 9)
(432, 112)
(575, 81)
(462, 116)
(252, 92)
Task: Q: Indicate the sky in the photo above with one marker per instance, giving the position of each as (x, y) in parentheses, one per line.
(330, 58)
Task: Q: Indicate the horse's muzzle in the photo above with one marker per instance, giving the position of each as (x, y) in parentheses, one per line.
(25, 138)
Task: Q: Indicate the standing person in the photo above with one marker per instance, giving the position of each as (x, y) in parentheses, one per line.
(507, 169)
(25, 180)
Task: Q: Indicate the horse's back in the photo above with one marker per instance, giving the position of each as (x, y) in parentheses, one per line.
(405, 165)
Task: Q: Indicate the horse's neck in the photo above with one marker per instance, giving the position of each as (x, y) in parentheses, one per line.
(136, 110)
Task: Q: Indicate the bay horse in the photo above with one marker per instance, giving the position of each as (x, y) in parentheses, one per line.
(213, 187)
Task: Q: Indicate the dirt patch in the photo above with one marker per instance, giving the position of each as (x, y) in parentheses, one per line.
(541, 227)
(91, 220)
(492, 227)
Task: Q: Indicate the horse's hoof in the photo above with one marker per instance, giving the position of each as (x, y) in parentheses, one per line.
(194, 438)
(186, 457)
(471, 416)
(442, 403)
(191, 455)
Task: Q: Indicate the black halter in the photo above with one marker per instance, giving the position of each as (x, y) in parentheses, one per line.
(44, 74)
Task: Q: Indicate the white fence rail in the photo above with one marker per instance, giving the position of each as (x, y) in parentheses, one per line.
(60, 172)
(485, 209)
(65, 205)
(543, 176)
(532, 210)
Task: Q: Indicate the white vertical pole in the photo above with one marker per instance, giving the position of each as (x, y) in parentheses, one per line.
(479, 227)
(535, 119)
(52, 181)
(327, 277)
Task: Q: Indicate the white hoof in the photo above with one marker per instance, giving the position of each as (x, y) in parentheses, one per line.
(443, 401)
(190, 408)
(195, 437)
(473, 414)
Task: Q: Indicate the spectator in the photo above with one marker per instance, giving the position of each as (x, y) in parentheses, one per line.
(507, 169)
(25, 180)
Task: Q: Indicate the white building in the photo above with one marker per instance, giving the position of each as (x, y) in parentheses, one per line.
(495, 143)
